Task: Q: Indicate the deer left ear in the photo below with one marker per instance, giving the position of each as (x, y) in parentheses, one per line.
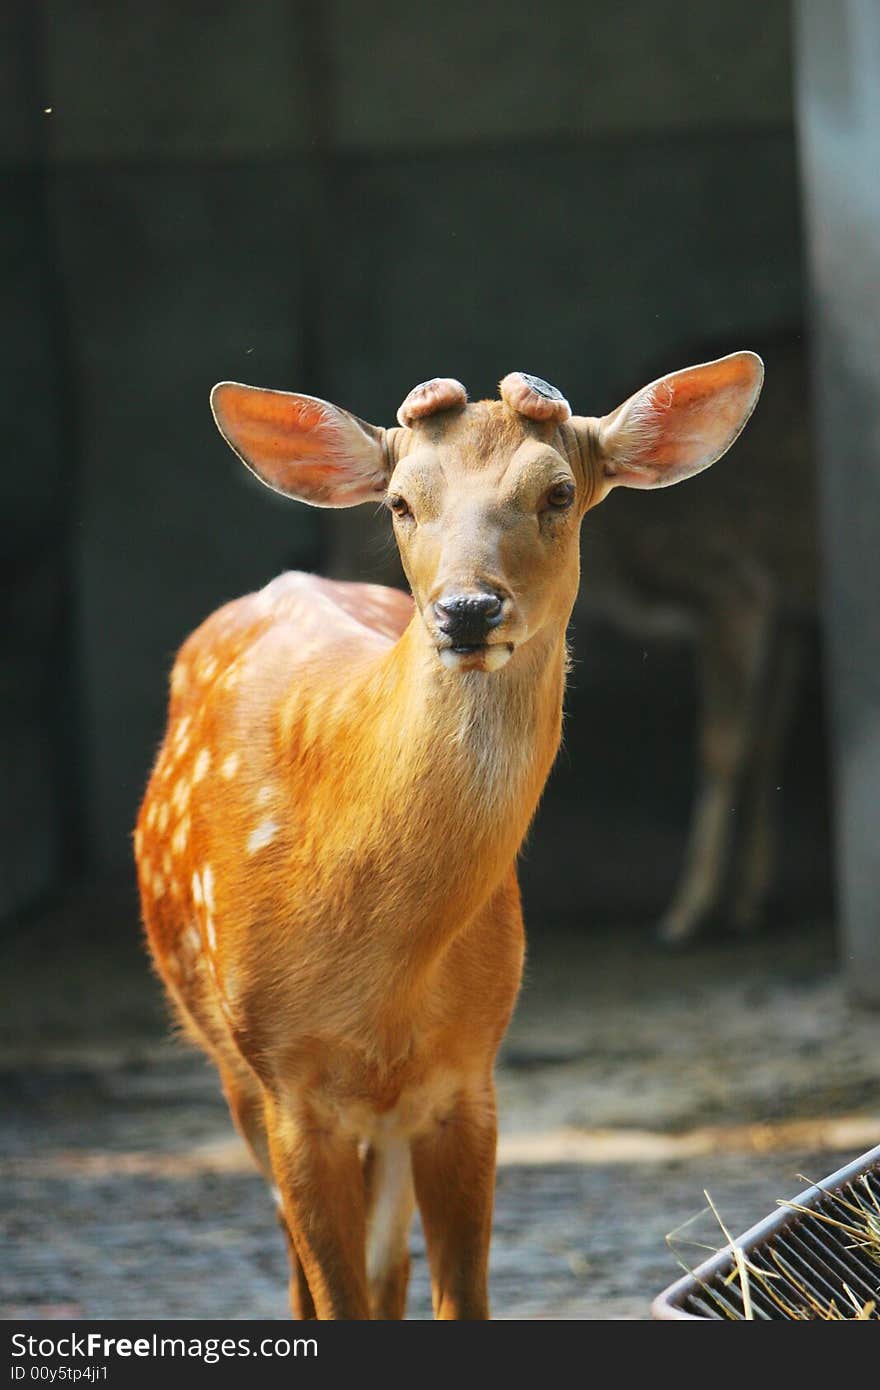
(301, 446)
(681, 423)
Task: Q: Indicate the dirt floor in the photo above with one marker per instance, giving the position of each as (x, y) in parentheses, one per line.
(631, 1081)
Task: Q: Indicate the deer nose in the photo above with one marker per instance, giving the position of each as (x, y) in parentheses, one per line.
(468, 618)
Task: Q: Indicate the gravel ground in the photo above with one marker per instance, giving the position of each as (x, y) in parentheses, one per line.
(630, 1082)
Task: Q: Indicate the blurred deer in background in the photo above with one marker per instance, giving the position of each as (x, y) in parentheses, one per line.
(732, 566)
(327, 846)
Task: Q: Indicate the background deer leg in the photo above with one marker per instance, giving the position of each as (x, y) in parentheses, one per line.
(318, 1174)
(454, 1173)
(756, 856)
(733, 661)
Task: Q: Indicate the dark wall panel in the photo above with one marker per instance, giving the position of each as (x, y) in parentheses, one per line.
(581, 267)
(414, 77)
(38, 731)
(177, 278)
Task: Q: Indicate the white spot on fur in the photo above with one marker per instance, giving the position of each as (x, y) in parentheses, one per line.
(180, 836)
(208, 887)
(180, 794)
(262, 836)
(198, 893)
(151, 815)
(180, 732)
(265, 795)
(207, 668)
(159, 885)
(229, 766)
(202, 763)
(210, 933)
(162, 818)
(191, 940)
(166, 862)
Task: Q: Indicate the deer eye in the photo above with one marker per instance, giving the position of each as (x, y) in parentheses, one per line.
(399, 505)
(560, 496)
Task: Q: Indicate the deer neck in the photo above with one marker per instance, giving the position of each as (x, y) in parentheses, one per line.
(464, 757)
(421, 786)
(492, 734)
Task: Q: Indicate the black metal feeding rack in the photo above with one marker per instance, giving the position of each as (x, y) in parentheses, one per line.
(817, 1256)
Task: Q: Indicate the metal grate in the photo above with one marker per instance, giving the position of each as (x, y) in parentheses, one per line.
(802, 1263)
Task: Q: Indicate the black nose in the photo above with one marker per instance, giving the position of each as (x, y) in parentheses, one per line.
(468, 618)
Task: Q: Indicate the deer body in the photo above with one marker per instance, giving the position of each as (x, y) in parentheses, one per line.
(326, 849)
(291, 830)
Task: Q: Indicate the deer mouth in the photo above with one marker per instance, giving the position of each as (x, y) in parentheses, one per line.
(476, 656)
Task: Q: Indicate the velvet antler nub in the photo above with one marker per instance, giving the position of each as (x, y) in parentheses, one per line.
(440, 393)
(537, 399)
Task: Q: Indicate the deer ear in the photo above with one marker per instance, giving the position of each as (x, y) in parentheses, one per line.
(680, 424)
(302, 446)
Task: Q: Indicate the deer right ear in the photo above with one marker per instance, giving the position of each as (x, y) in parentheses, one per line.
(680, 424)
(301, 446)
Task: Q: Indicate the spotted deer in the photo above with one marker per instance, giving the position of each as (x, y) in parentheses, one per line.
(327, 846)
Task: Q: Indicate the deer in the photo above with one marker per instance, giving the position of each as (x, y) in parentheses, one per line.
(732, 567)
(327, 847)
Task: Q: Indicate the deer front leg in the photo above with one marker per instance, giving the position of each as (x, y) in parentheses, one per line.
(302, 1304)
(319, 1177)
(732, 655)
(454, 1173)
(244, 1096)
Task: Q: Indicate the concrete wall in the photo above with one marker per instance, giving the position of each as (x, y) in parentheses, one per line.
(348, 199)
(839, 110)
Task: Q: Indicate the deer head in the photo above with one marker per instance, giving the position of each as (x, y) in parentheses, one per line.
(487, 498)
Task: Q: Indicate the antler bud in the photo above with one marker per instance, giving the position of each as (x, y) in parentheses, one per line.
(440, 393)
(529, 395)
